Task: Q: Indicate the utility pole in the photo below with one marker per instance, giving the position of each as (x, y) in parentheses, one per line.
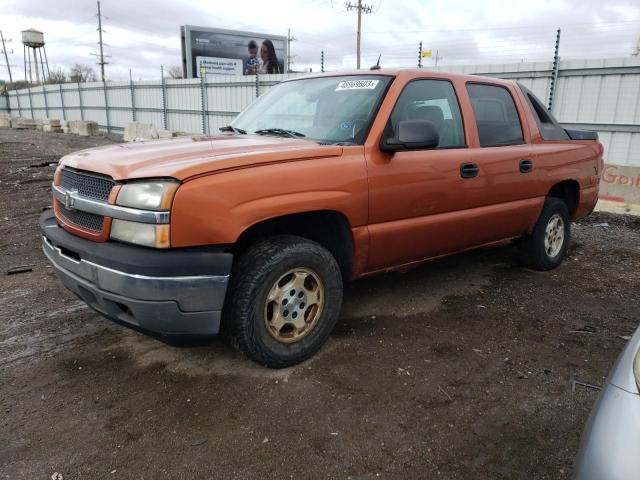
(361, 9)
(6, 57)
(322, 61)
(420, 55)
(289, 40)
(102, 63)
(554, 71)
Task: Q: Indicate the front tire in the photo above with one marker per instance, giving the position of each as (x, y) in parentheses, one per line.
(285, 298)
(547, 245)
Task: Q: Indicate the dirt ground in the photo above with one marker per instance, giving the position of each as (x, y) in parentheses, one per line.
(459, 369)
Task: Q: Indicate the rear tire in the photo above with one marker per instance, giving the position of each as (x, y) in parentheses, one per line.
(284, 299)
(547, 245)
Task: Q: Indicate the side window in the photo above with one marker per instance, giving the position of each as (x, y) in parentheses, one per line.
(435, 101)
(548, 126)
(496, 115)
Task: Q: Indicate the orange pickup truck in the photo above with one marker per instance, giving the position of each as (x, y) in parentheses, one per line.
(323, 179)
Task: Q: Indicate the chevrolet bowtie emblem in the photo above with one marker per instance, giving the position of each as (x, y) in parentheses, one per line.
(69, 201)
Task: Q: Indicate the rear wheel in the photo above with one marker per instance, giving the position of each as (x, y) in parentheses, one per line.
(547, 245)
(285, 298)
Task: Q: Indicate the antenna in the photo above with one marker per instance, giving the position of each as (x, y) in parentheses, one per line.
(377, 65)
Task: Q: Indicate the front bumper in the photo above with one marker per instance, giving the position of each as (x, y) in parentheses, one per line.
(167, 292)
(611, 439)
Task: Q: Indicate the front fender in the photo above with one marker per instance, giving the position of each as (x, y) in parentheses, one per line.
(217, 208)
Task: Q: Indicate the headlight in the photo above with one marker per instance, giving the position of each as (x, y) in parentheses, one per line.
(144, 195)
(147, 195)
(145, 234)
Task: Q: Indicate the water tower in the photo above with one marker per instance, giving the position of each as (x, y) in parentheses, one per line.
(34, 41)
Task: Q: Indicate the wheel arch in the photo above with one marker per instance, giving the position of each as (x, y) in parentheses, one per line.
(329, 228)
(569, 192)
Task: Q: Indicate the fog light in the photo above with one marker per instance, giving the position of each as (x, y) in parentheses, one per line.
(146, 234)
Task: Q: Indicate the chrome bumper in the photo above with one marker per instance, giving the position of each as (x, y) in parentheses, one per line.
(166, 305)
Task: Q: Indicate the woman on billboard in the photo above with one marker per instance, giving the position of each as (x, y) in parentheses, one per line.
(269, 59)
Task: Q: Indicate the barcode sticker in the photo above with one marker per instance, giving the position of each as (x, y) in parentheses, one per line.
(357, 85)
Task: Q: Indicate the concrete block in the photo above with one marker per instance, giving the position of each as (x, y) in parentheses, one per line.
(73, 126)
(64, 123)
(29, 124)
(621, 183)
(166, 134)
(52, 128)
(87, 128)
(137, 131)
(5, 122)
(15, 121)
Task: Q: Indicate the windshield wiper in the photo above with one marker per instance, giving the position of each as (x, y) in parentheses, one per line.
(280, 131)
(230, 128)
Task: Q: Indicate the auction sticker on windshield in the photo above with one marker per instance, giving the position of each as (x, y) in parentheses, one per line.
(357, 85)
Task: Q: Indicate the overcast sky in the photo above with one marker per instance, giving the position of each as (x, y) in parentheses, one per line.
(141, 35)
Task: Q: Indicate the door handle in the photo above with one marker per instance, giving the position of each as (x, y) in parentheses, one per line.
(526, 166)
(469, 170)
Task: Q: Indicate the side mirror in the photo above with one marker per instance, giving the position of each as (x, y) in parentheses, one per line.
(411, 135)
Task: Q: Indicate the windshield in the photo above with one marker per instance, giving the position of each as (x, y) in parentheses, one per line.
(326, 109)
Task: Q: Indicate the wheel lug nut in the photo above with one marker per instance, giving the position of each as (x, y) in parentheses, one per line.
(301, 294)
(285, 313)
(301, 306)
(295, 314)
(292, 293)
(285, 301)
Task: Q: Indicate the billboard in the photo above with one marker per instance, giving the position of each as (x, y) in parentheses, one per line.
(215, 51)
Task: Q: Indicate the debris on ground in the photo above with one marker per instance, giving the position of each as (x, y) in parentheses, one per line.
(20, 269)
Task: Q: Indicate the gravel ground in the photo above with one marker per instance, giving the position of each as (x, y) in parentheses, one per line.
(461, 368)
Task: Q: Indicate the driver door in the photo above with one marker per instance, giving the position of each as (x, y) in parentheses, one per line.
(417, 197)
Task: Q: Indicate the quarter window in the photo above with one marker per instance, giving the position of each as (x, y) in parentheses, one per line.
(434, 101)
(496, 115)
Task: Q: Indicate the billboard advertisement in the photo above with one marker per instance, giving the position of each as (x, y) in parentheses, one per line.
(214, 51)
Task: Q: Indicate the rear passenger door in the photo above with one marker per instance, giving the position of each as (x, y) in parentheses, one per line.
(502, 188)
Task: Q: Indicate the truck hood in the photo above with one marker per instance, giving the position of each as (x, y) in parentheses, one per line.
(185, 157)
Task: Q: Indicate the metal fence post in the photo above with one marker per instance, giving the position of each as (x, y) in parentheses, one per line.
(31, 104)
(80, 102)
(64, 113)
(164, 99)
(18, 100)
(203, 104)
(257, 86)
(133, 97)
(106, 105)
(46, 103)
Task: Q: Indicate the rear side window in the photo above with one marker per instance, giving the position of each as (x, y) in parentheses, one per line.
(496, 115)
(434, 101)
(548, 126)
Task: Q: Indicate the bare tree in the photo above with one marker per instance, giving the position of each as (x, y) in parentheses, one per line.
(57, 76)
(82, 73)
(175, 72)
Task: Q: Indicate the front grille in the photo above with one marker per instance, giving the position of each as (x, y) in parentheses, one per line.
(85, 220)
(86, 184)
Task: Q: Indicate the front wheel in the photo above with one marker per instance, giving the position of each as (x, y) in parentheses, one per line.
(285, 298)
(547, 245)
